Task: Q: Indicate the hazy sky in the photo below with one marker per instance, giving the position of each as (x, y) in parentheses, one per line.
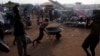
(60, 1)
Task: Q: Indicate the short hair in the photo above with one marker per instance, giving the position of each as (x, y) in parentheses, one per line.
(96, 15)
(46, 19)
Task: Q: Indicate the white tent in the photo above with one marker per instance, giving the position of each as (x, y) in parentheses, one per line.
(47, 4)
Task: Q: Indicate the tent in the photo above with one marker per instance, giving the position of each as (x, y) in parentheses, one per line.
(80, 13)
(47, 4)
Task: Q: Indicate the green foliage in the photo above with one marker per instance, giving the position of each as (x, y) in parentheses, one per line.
(10, 3)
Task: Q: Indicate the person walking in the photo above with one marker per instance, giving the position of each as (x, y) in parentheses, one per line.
(93, 38)
(41, 31)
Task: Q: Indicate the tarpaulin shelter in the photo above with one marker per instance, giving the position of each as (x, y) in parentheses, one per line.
(80, 13)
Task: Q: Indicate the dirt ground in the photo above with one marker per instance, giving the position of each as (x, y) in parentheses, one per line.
(69, 44)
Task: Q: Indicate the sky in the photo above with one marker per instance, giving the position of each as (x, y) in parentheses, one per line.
(60, 1)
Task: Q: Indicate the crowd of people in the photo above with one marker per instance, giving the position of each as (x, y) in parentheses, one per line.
(18, 25)
(20, 34)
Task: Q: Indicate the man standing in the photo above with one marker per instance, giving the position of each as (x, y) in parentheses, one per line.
(1, 32)
(19, 33)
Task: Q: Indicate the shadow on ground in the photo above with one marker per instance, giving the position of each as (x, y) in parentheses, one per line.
(43, 49)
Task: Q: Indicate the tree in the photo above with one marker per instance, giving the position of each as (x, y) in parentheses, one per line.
(9, 4)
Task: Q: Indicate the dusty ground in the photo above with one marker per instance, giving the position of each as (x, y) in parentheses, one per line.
(69, 44)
